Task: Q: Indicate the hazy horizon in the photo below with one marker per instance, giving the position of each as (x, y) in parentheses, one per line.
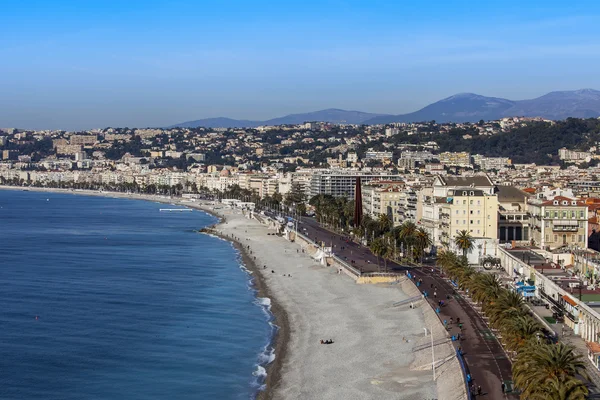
(140, 64)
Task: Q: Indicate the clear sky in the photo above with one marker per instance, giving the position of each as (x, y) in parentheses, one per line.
(95, 63)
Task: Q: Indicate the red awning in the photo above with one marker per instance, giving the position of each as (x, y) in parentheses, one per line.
(570, 300)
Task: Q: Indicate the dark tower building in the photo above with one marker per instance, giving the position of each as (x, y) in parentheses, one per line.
(358, 209)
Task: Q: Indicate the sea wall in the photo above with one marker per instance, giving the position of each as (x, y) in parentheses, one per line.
(448, 371)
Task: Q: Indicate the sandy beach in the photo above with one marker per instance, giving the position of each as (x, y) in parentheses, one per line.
(379, 351)
(373, 353)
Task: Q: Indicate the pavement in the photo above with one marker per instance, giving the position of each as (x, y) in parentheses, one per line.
(485, 359)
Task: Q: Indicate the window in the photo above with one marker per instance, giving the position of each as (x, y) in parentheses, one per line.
(457, 222)
(489, 216)
(456, 212)
(464, 222)
(555, 214)
(580, 238)
(547, 237)
(477, 230)
(464, 202)
(471, 212)
(478, 212)
(471, 230)
(555, 238)
(565, 203)
(471, 202)
(564, 214)
(457, 231)
(471, 222)
(547, 214)
(464, 194)
(572, 214)
(471, 194)
(581, 225)
(478, 221)
(547, 224)
(580, 214)
(478, 202)
(555, 202)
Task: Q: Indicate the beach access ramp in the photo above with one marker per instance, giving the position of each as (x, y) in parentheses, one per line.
(429, 345)
(407, 301)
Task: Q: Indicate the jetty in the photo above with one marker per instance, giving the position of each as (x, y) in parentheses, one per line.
(176, 209)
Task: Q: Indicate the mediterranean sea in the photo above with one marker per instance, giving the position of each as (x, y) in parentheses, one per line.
(104, 298)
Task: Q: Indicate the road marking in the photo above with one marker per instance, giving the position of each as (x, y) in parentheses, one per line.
(487, 334)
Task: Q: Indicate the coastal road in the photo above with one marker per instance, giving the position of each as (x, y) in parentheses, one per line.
(485, 359)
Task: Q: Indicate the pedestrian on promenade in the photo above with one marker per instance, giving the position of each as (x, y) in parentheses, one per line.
(503, 388)
(451, 320)
(478, 390)
(435, 295)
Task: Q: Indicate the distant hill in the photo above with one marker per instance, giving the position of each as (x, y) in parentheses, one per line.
(220, 122)
(469, 107)
(332, 115)
(464, 107)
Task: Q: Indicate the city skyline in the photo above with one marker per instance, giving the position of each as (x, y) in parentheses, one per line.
(151, 64)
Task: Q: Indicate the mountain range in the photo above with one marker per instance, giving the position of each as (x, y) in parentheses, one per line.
(463, 107)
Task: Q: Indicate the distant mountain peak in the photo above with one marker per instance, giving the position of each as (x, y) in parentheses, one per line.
(461, 107)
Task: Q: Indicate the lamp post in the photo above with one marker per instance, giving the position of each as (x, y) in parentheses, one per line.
(432, 354)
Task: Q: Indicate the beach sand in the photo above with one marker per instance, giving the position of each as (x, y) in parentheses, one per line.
(373, 341)
(373, 354)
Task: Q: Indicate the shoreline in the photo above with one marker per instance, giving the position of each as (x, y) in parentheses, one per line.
(281, 334)
(280, 337)
(315, 303)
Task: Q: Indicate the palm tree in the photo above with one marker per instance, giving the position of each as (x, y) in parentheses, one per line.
(554, 389)
(485, 288)
(537, 364)
(518, 331)
(377, 247)
(385, 222)
(421, 240)
(464, 241)
(446, 259)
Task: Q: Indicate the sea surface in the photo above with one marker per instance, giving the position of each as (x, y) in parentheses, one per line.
(105, 298)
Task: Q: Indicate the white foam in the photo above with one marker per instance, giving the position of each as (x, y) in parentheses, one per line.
(267, 356)
(264, 301)
(260, 372)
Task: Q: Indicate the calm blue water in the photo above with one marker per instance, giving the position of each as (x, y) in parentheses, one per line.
(131, 303)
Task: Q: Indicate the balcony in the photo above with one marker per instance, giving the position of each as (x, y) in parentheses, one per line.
(565, 228)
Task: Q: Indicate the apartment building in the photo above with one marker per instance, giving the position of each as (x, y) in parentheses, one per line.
(83, 140)
(491, 163)
(450, 159)
(455, 203)
(341, 183)
(378, 155)
(468, 209)
(558, 221)
(513, 215)
(383, 197)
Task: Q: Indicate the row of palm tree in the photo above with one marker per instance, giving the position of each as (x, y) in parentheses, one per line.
(541, 369)
(384, 239)
(406, 240)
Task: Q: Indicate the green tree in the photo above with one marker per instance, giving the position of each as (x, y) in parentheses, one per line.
(464, 241)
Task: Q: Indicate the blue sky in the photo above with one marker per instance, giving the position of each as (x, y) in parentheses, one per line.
(86, 64)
